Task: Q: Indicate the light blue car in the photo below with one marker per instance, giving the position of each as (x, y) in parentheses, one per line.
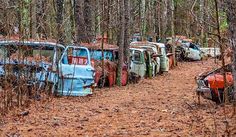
(76, 74)
(46, 66)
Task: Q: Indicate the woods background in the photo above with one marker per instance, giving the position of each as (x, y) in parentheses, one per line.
(70, 21)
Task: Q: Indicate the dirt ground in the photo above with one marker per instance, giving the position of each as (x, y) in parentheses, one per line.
(163, 106)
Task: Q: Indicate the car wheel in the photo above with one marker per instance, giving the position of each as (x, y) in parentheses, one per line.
(101, 82)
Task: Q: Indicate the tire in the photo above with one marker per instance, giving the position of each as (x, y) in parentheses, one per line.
(101, 82)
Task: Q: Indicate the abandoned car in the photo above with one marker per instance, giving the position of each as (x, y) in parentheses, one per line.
(153, 50)
(211, 85)
(105, 70)
(142, 62)
(39, 65)
(189, 51)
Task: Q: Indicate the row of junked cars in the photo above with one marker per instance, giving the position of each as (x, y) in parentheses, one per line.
(75, 70)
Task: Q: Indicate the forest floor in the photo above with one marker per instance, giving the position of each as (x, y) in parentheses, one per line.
(162, 106)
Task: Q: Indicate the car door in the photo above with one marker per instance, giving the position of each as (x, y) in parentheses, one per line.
(76, 75)
(164, 60)
(150, 65)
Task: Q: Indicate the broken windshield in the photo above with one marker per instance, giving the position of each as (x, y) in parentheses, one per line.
(137, 56)
(29, 53)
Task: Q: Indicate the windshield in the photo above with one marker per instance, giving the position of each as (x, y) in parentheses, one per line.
(76, 56)
(27, 53)
(137, 56)
(97, 55)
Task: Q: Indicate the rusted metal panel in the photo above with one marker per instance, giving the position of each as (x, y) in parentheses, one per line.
(171, 60)
(110, 53)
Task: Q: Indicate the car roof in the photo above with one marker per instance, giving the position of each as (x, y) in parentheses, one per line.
(141, 43)
(161, 45)
(97, 46)
(139, 49)
(30, 43)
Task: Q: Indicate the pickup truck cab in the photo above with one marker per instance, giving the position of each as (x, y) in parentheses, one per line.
(155, 56)
(45, 66)
(141, 62)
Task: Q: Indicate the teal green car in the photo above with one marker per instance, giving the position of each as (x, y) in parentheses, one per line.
(142, 62)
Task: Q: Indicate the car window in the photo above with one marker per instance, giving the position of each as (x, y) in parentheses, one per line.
(193, 46)
(97, 55)
(29, 53)
(137, 56)
(116, 55)
(76, 56)
(44, 55)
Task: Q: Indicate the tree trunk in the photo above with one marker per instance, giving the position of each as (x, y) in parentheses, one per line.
(24, 19)
(88, 22)
(59, 19)
(33, 26)
(121, 42)
(172, 6)
(201, 18)
(164, 18)
(231, 14)
(126, 30)
(80, 21)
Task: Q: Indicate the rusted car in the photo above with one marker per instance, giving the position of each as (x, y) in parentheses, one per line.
(33, 62)
(185, 49)
(211, 84)
(106, 77)
(155, 54)
(43, 66)
(192, 51)
(142, 62)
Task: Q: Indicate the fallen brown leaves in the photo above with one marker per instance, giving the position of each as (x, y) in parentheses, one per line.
(163, 106)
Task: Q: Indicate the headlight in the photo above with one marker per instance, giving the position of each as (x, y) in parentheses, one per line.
(201, 83)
